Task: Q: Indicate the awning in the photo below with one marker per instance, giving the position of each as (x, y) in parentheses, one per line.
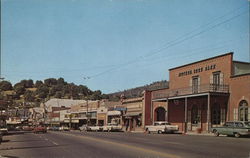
(132, 114)
(112, 113)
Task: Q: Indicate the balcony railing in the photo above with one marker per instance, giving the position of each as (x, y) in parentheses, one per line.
(192, 90)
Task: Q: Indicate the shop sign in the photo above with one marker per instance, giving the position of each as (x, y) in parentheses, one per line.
(197, 70)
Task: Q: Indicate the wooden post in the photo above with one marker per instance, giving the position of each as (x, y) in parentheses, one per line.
(185, 115)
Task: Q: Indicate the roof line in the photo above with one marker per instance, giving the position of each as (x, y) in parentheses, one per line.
(243, 62)
(230, 53)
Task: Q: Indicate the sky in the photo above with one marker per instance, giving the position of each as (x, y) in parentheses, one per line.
(112, 45)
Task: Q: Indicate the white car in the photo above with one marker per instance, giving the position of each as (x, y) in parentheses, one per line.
(64, 128)
(112, 127)
(4, 130)
(162, 127)
(83, 128)
(94, 128)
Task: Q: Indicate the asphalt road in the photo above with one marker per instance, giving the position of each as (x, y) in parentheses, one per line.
(121, 145)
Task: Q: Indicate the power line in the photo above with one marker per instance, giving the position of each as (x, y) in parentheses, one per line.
(171, 45)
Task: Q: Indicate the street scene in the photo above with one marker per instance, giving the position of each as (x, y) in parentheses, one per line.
(124, 79)
(125, 145)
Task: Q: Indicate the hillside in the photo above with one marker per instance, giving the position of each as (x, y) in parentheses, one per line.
(137, 92)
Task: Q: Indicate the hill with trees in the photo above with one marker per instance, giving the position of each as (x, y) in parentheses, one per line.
(26, 92)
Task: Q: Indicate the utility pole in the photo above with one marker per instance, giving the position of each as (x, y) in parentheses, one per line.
(1, 40)
(87, 112)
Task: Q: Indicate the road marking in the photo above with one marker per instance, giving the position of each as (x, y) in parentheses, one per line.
(54, 143)
(46, 139)
(167, 155)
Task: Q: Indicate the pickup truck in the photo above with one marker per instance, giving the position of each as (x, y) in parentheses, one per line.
(112, 127)
(162, 127)
(234, 128)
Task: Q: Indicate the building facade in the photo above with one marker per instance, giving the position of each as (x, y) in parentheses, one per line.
(204, 94)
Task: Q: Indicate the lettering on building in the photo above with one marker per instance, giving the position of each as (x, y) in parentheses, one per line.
(197, 70)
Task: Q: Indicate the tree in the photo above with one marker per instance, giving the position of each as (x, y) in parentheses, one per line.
(96, 95)
(19, 89)
(42, 91)
(61, 81)
(38, 84)
(29, 84)
(25, 83)
(29, 96)
(58, 95)
(50, 82)
(5, 86)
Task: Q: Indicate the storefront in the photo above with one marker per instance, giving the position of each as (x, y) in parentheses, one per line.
(102, 116)
(133, 119)
(114, 117)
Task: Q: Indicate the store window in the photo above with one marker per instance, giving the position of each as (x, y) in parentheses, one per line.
(243, 111)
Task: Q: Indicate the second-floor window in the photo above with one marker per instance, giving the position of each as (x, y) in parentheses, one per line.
(195, 84)
(216, 80)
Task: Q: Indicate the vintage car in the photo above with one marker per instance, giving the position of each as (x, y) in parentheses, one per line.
(1, 137)
(94, 128)
(83, 128)
(234, 128)
(162, 127)
(27, 128)
(40, 129)
(64, 128)
(112, 127)
(4, 130)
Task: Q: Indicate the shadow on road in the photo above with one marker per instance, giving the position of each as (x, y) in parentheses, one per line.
(6, 156)
(16, 141)
(15, 132)
(32, 147)
(5, 140)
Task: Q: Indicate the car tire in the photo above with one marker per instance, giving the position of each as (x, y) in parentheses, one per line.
(159, 132)
(216, 133)
(236, 135)
(147, 131)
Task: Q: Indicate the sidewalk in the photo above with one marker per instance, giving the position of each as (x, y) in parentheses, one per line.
(199, 134)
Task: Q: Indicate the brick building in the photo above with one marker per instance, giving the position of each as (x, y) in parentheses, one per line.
(203, 94)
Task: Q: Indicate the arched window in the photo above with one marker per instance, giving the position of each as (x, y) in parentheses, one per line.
(243, 111)
(160, 113)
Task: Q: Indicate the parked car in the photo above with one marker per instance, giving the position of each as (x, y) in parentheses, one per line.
(83, 128)
(234, 128)
(40, 129)
(18, 128)
(4, 130)
(64, 128)
(112, 127)
(94, 128)
(162, 127)
(53, 128)
(1, 137)
(28, 128)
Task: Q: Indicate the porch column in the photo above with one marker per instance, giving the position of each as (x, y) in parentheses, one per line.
(166, 111)
(185, 130)
(208, 112)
